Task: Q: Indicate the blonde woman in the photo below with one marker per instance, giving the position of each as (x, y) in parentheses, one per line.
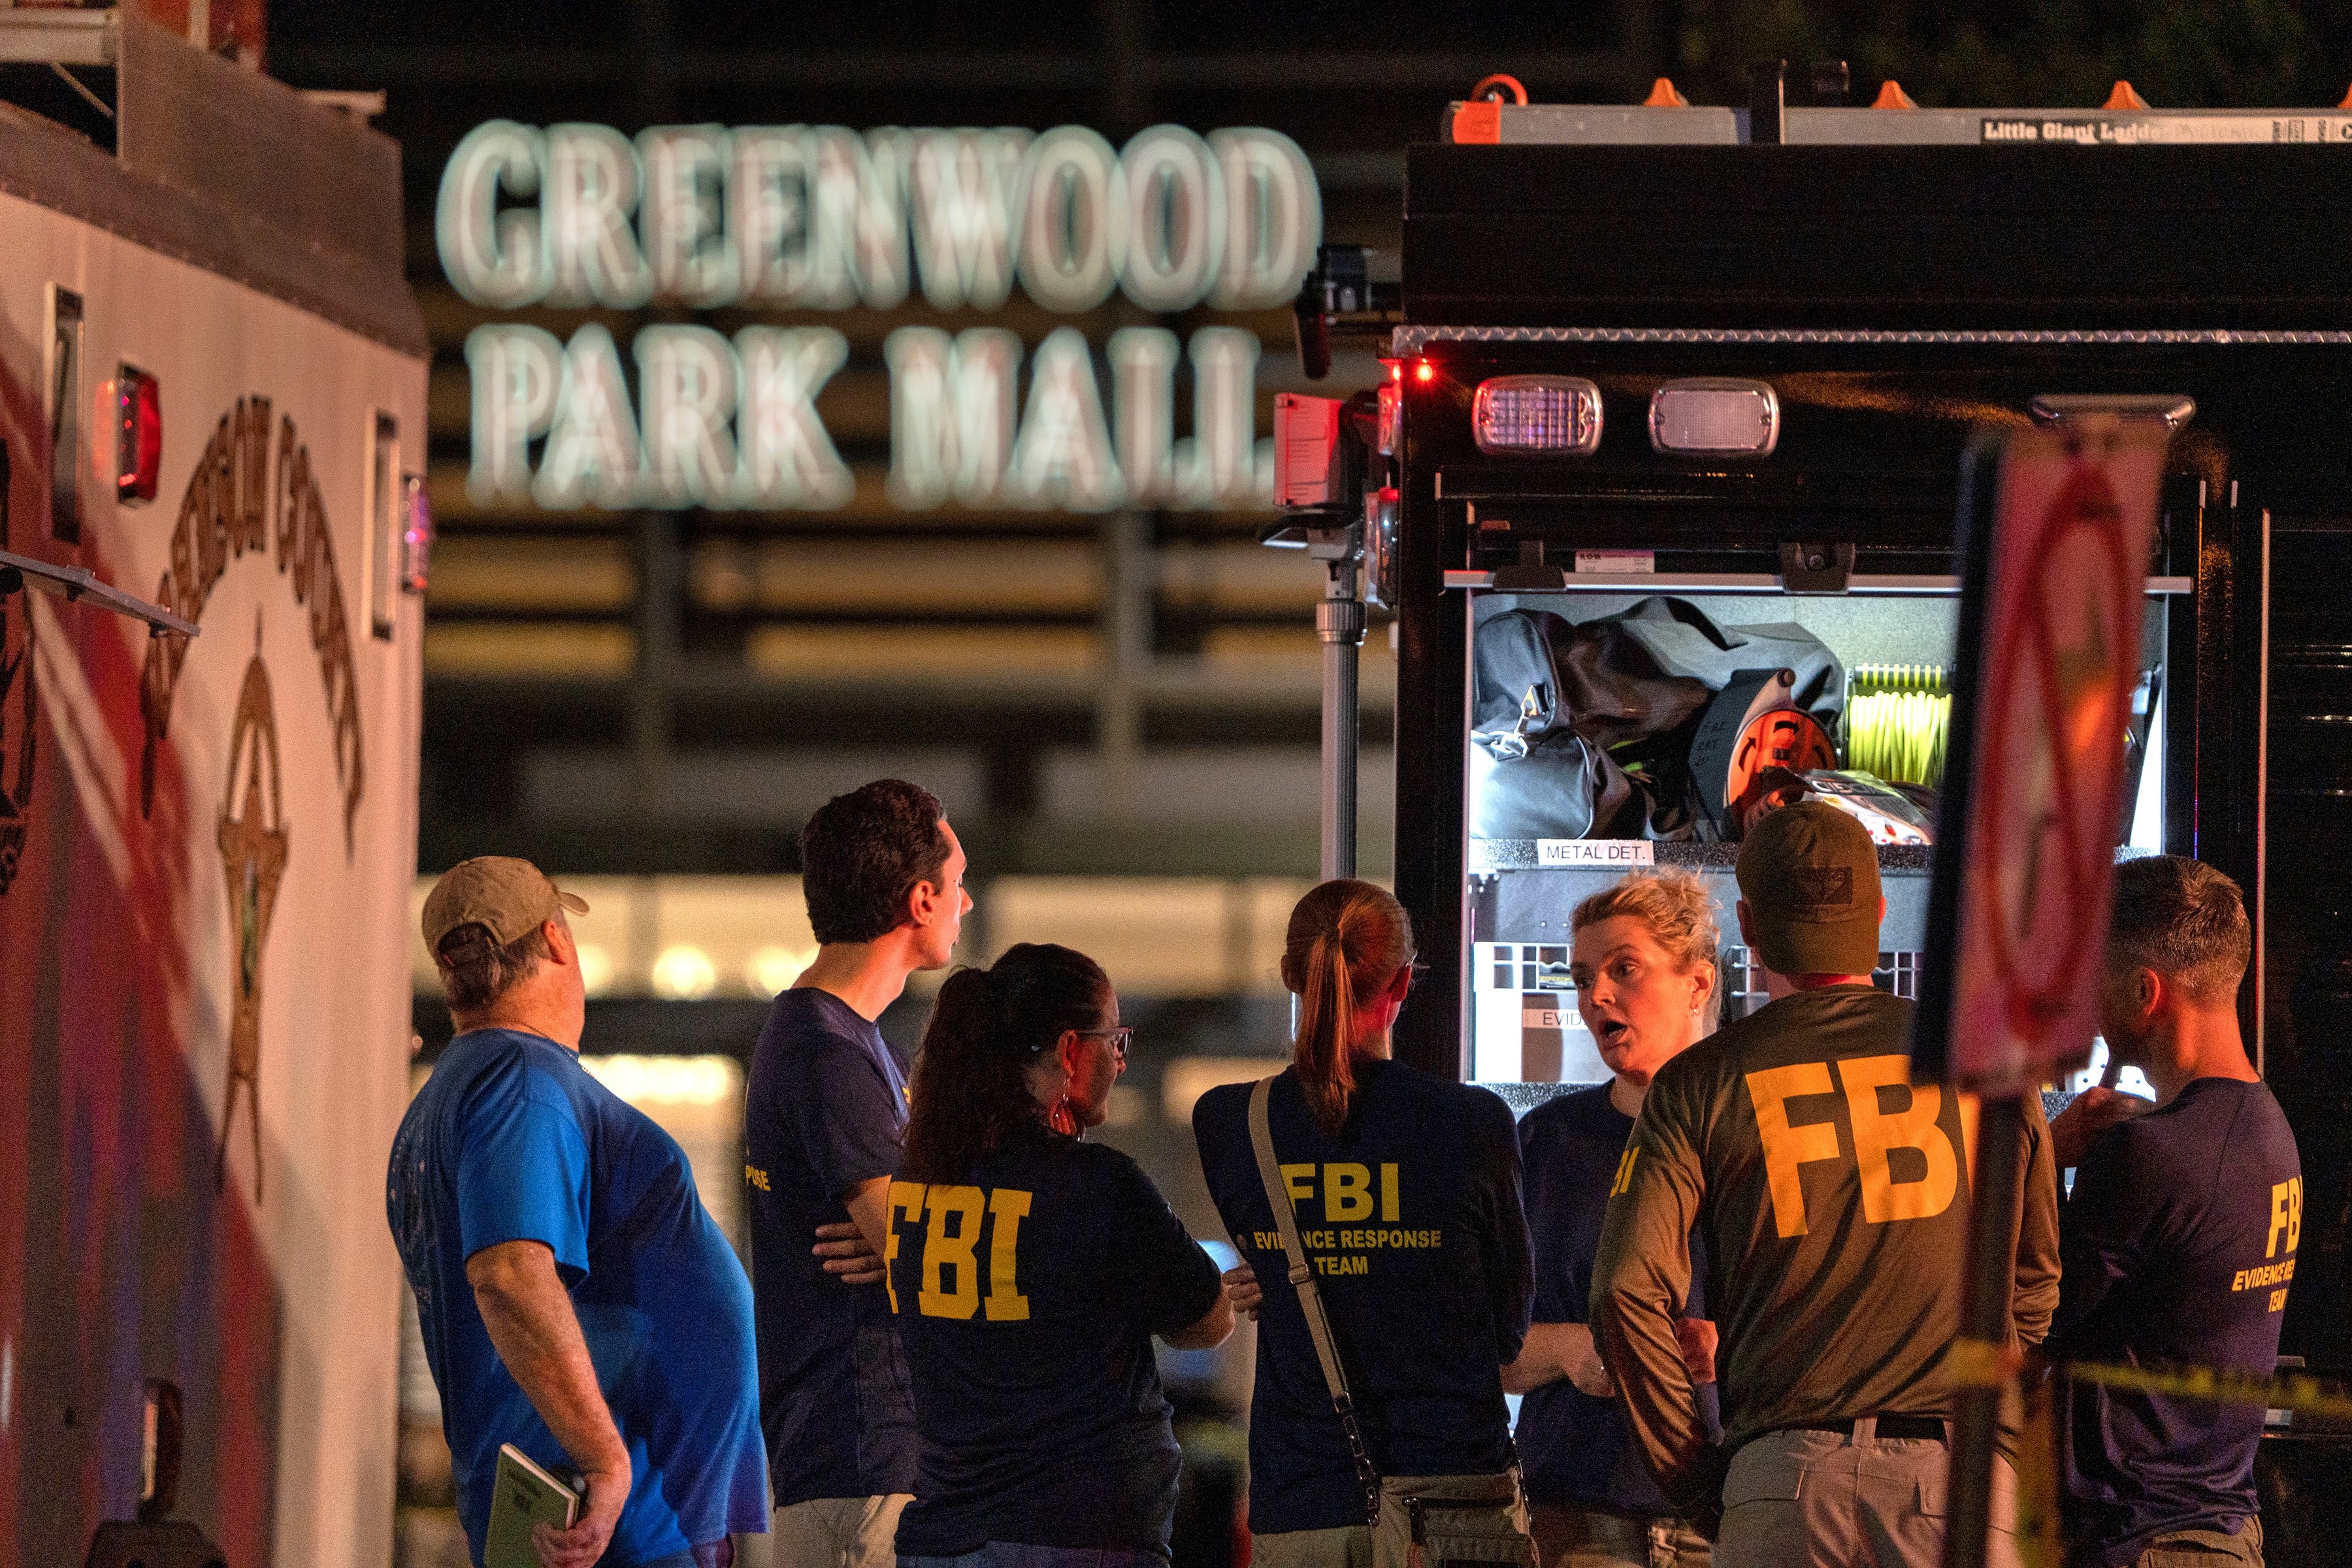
(1644, 964)
(1406, 1190)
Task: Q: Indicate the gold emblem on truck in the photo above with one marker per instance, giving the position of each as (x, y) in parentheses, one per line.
(253, 846)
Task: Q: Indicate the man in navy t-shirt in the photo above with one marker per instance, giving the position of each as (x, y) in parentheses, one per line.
(1575, 1445)
(2179, 1238)
(826, 1106)
(575, 1297)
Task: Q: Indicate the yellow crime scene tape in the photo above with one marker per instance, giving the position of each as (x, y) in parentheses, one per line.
(1980, 1363)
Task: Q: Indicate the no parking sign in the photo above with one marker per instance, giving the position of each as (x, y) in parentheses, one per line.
(2057, 526)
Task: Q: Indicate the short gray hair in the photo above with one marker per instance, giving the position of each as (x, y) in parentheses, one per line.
(2185, 920)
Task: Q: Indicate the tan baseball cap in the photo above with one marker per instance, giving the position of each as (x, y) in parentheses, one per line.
(510, 896)
(1809, 875)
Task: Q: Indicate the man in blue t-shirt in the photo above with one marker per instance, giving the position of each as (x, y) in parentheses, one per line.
(575, 1297)
(2179, 1238)
(826, 1105)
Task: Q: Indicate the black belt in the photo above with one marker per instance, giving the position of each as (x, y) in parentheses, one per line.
(1931, 1429)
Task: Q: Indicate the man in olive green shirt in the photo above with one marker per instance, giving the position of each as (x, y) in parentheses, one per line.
(1833, 1195)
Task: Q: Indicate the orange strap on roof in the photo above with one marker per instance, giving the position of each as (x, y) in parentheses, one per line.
(1664, 95)
(2122, 97)
(1892, 96)
(2348, 99)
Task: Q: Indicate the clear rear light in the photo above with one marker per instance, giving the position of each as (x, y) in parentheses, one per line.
(1712, 417)
(1555, 413)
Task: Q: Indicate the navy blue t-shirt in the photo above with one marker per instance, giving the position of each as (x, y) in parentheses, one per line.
(824, 1110)
(1027, 1296)
(511, 1140)
(1575, 1449)
(2177, 1244)
(1412, 1216)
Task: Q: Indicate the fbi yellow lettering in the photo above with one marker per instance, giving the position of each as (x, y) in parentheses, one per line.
(958, 1249)
(1787, 1150)
(907, 1200)
(1876, 1133)
(1623, 1181)
(1347, 1191)
(1390, 1208)
(2286, 1214)
(1007, 1207)
(1300, 1180)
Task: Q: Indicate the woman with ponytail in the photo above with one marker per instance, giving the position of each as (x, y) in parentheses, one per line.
(1030, 1270)
(1405, 1192)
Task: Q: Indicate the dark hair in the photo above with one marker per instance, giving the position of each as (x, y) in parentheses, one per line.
(1346, 943)
(2184, 920)
(476, 971)
(862, 853)
(971, 1091)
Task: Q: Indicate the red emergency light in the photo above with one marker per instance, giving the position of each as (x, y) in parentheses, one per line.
(139, 434)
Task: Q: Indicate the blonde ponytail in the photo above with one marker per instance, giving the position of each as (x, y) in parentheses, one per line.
(1346, 943)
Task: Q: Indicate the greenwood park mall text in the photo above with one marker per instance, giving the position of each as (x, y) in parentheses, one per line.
(801, 219)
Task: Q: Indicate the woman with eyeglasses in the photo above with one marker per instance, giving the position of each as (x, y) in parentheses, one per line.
(1405, 1192)
(1030, 1270)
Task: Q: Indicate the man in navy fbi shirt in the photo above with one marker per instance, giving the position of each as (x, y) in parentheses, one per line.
(826, 1104)
(2179, 1238)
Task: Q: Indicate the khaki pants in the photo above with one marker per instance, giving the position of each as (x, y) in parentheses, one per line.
(837, 1532)
(1825, 1499)
(1574, 1538)
(1347, 1546)
(2205, 1549)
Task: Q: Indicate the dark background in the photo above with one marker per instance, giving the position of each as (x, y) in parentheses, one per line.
(595, 696)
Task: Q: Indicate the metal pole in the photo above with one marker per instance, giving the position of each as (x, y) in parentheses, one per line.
(1339, 623)
(1995, 1189)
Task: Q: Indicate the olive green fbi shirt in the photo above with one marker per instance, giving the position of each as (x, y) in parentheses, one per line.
(1834, 1196)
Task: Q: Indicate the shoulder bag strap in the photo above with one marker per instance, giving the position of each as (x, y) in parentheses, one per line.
(1310, 1298)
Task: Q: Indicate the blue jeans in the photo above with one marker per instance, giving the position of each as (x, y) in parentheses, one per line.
(1010, 1554)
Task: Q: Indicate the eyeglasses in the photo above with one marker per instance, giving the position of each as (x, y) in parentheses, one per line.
(1116, 1039)
(1419, 971)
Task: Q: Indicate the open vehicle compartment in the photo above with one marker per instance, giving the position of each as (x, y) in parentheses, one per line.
(1520, 1025)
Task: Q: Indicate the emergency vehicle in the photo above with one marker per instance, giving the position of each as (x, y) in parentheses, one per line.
(211, 537)
(1660, 485)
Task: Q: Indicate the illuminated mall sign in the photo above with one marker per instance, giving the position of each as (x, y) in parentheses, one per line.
(823, 218)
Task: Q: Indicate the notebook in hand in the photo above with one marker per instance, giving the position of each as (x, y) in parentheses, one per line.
(526, 1494)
